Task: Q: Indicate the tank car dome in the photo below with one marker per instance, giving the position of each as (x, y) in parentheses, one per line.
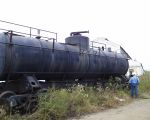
(77, 39)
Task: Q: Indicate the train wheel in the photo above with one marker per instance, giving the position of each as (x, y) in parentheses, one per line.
(32, 105)
(7, 94)
(5, 103)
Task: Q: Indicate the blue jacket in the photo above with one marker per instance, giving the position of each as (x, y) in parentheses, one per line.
(134, 80)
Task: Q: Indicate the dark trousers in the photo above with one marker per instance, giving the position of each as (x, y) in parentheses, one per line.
(134, 90)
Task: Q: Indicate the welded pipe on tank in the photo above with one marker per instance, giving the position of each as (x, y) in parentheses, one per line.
(78, 33)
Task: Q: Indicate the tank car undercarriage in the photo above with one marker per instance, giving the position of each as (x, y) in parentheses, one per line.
(21, 96)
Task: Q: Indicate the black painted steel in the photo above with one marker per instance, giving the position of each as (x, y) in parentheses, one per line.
(50, 61)
(78, 40)
(24, 60)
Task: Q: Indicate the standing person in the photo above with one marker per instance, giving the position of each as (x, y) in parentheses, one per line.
(134, 82)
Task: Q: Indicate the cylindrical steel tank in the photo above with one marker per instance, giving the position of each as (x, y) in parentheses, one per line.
(45, 60)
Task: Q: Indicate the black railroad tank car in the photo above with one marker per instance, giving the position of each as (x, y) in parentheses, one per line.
(26, 60)
(47, 60)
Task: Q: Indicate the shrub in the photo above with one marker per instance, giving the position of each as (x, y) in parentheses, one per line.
(77, 101)
(144, 87)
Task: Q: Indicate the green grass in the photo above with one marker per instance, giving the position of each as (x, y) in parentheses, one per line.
(59, 104)
(64, 103)
(144, 87)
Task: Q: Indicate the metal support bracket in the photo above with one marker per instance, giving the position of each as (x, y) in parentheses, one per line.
(32, 83)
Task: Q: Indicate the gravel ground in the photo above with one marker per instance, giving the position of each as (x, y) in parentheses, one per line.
(137, 110)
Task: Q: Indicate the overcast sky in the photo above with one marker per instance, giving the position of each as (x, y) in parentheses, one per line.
(125, 22)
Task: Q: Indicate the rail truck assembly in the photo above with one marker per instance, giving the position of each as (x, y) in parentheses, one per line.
(26, 58)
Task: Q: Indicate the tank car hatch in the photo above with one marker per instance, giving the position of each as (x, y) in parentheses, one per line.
(77, 39)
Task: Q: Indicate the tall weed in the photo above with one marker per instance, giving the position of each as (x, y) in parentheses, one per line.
(63, 103)
(144, 87)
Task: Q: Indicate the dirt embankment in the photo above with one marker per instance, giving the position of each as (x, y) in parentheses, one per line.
(137, 110)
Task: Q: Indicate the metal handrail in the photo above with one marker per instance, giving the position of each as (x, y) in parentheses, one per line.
(30, 28)
(98, 43)
(92, 46)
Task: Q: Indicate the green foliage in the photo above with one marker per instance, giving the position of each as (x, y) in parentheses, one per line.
(144, 87)
(59, 104)
(63, 103)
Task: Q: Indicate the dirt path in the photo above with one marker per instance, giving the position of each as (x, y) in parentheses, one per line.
(138, 110)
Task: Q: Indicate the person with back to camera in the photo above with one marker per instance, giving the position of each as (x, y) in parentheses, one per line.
(134, 82)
